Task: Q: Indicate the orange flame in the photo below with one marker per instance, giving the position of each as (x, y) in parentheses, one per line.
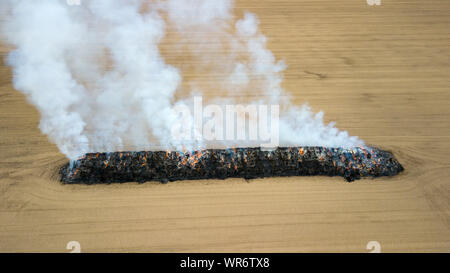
(301, 152)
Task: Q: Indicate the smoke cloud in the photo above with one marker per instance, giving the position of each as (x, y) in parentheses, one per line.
(98, 77)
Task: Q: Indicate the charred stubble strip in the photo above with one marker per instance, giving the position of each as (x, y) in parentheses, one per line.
(246, 163)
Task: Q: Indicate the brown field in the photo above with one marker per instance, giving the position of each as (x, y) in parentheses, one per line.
(381, 72)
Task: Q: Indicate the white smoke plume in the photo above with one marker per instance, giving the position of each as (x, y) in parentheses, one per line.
(98, 77)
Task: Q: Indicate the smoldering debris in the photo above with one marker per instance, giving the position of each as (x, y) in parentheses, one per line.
(248, 163)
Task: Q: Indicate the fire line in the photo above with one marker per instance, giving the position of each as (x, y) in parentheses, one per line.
(246, 163)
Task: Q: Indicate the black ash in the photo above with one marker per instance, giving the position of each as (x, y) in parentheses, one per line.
(246, 163)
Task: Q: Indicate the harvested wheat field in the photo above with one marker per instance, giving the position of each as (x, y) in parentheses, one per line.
(381, 72)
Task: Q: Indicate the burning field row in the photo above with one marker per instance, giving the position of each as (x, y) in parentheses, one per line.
(245, 163)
